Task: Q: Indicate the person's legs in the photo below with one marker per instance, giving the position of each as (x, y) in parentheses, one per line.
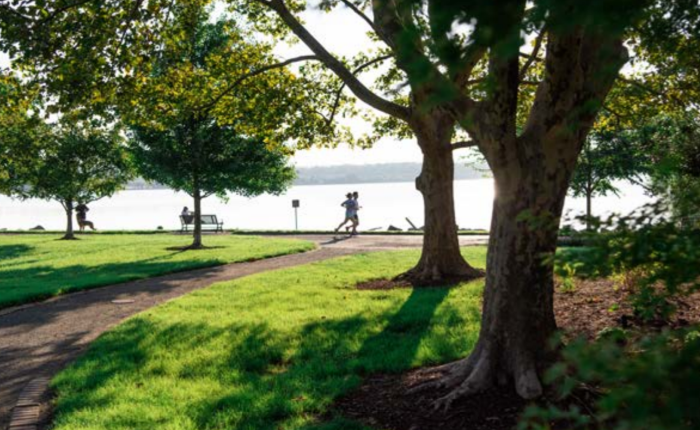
(342, 223)
(355, 223)
(90, 224)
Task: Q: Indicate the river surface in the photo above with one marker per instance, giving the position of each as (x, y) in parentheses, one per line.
(382, 204)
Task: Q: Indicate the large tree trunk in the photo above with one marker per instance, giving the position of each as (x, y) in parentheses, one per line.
(197, 235)
(518, 316)
(70, 235)
(441, 260)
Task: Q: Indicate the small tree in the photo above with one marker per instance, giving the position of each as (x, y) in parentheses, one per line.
(77, 163)
(179, 136)
(606, 156)
(672, 143)
(202, 159)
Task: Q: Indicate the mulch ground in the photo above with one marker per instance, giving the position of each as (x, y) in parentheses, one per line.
(385, 401)
(189, 248)
(383, 284)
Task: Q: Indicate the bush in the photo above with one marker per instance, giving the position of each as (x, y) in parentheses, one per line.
(650, 383)
(567, 277)
(643, 380)
(654, 257)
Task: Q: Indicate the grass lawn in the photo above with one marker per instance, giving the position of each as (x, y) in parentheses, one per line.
(34, 267)
(269, 351)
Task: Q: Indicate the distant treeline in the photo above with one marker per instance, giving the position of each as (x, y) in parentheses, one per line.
(351, 174)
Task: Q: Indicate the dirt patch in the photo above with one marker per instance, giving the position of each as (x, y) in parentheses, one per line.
(385, 401)
(597, 304)
(383, 284)
(406, 280)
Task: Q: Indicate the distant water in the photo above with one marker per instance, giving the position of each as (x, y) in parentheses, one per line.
(383, 204)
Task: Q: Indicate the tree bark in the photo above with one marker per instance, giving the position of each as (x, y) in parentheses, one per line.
(68, 206)
(197, 235)
(532, 172)
(441, 260)
(518, 314)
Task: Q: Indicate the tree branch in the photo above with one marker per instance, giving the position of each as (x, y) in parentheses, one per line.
(473, 56)
(63, 9)
(617, 115)
(15, 13)
(464, 144)
(342, 86)
(576, 81)
(348, 78)
(364, 17)
(650, 90)
(533, 56)
(259, 71)
(357, 87)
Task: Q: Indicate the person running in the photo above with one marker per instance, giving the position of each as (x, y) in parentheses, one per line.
(349, 205)
(356, 208)
(81, 215)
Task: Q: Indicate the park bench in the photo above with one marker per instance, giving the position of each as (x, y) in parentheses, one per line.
(209, 222)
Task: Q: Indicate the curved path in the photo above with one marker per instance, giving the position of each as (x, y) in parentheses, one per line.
(38, 340)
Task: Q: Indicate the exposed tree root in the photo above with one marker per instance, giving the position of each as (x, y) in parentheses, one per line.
(191, 248)
(431, 276)
(477, 373)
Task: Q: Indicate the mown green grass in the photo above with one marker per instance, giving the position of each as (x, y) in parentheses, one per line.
(34, 267)
(270, 351)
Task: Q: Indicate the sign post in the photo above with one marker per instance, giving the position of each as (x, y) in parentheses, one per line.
(295, 205)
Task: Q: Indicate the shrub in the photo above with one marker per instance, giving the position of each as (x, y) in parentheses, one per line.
(644, 380)
(567, 277)
(649, 384)
(654, 257)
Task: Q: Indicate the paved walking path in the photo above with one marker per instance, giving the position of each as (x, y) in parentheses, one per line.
(39, 340)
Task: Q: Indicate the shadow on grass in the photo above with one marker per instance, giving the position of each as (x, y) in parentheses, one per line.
(258, 377)
(19, 286)
(35, 283)
(9, 252)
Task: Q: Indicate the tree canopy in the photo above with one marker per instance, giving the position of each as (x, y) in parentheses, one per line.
(76, 162)
(20, 129)
(607, 155)
(104, 54)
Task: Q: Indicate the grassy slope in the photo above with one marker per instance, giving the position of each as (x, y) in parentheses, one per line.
(270, 351)
(34, 267)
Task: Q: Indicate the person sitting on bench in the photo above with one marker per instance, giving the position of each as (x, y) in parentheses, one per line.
(187, 215)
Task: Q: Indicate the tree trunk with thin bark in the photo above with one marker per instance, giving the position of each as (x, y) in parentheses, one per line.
(441, 260)
(197, 235)
(532, 171)
(518, 315)
(68, 206)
